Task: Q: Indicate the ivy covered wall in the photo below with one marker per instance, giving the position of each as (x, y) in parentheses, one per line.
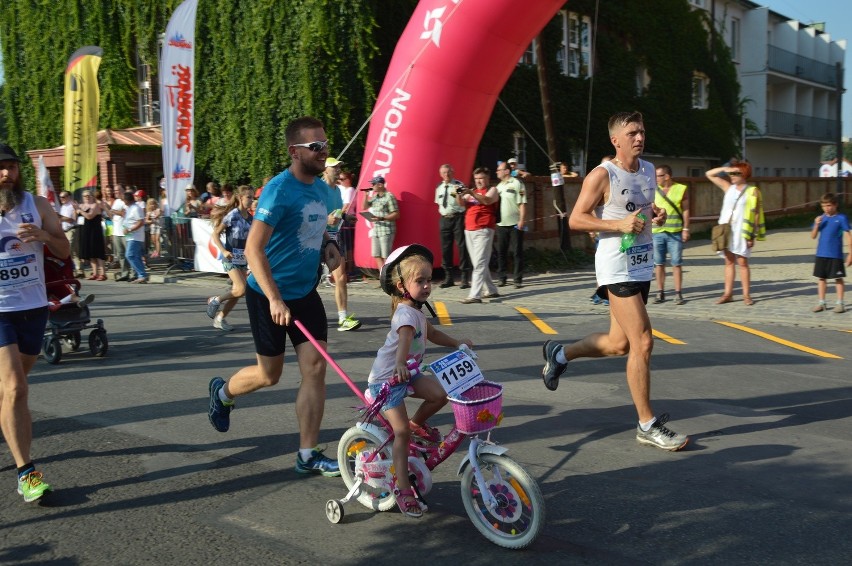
(259, 65)
(664, 37)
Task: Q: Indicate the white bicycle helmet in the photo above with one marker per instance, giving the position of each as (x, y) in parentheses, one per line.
(393, 261)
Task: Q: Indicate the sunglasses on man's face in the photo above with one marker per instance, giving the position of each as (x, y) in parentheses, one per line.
(316, 146)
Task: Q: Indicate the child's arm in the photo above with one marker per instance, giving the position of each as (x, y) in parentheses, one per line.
(849, 245)
(406, 335)
(815, 229)
(435, 336)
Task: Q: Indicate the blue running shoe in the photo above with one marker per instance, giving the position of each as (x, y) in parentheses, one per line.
(317, 464)
(219, 413)
(552, 369)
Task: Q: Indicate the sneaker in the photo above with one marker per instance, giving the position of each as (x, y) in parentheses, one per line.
(552, 369)
(661, 436)
(819, 308)
(605, 302)
(32, 486)
(222, 324)
(839, 308)
(213, 306)
(596, 300)
(349, 323)
(219, 413)
(86, 300)
(679, 299)
(660, 298)
(317, 464)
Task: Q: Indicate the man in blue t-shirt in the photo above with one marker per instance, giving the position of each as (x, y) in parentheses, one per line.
(830, 227)
(286, 243)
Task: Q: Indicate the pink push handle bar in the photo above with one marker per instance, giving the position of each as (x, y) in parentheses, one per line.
(332, 363)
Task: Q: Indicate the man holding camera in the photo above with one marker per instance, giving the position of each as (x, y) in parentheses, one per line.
(452, 227)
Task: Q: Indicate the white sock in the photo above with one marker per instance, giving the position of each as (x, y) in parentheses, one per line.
(66, 300)
(223, 397)
(341, 316)
(560, 356)
(306, 453)
(647, 426)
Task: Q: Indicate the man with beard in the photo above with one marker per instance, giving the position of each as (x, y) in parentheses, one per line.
(27, 224)
(287, 241)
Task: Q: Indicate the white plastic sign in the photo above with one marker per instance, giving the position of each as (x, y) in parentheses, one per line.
(457, 372)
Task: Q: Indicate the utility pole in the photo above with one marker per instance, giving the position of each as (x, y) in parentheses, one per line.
(840, 178)
(550, 136)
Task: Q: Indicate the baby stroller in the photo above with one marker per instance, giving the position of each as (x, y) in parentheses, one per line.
(69, 313)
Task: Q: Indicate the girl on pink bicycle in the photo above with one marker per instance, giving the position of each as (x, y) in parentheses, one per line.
(406, 276)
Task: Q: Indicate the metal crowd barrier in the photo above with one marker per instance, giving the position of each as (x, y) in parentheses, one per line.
(180, 243)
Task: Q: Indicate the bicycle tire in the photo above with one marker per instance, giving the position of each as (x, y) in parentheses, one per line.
(353, 442)
(519, 517)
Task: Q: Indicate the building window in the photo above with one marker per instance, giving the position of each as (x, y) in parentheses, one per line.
(575, 49)
(643, 81)
(700, 91)
(699, 3)
(696, 172)
(735, 39)
(528, 58)
(520, 147)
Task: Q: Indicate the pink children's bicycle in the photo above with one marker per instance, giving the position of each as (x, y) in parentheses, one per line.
(503, 502)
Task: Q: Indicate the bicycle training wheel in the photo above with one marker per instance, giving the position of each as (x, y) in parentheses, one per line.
(353, 443)
(519, 516)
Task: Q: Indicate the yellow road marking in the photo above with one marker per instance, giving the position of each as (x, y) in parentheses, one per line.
(443, 314)
(666, 337)
(781, 341)
(540, 324)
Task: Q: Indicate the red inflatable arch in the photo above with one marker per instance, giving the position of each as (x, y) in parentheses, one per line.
(439, 92)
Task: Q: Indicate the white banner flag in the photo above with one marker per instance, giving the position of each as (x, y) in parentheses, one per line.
(177, 102)
(45, 185)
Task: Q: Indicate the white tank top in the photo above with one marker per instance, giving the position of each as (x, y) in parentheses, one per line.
(627, 193)
(21, 265)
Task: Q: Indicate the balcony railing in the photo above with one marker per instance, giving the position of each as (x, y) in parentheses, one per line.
(790, 63)
(799, 126)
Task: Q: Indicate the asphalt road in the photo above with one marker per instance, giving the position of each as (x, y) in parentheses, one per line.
(141, 477)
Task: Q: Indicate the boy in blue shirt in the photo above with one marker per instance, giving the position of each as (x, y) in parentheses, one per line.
(830, 227)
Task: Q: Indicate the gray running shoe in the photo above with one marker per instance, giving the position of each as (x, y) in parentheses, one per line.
(661, 436)
(552, 369)
(213, 306)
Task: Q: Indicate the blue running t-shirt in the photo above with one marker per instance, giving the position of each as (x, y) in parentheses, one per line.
(297, 213)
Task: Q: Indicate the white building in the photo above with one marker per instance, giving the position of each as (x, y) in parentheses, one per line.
(788, 72)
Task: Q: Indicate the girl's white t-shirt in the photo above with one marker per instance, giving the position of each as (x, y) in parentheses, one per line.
(385, 362)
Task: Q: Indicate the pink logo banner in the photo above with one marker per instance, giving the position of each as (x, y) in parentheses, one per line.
(177, 102)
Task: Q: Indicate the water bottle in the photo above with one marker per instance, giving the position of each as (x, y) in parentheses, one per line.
(627, 240)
